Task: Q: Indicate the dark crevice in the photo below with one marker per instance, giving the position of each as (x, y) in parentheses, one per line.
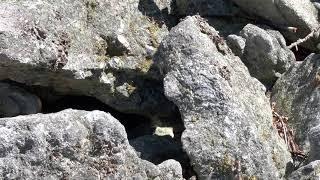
(136, 126)
(150, 8)
(301, 53)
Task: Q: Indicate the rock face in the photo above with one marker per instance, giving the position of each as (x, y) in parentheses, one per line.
(79, 48)
(263, 51)
(73, 144)
(314, 137)
(226, 114)
(297, 96)
(16, 101)
(283, 13)
(308, 172)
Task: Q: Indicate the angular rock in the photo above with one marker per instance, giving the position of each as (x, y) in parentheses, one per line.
(16, 101)
(297, 96)
(73, 144)
(205, 7)
(236, 44)
(310, 171)
(285, 13)
(226, 114)
(314, 138)
(265, 53)
(170, 169)
(77, 47)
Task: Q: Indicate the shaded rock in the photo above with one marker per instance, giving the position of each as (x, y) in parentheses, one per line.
(314, 138)
(16, 101)
(226, 114)
(228, 25)
(297, 96)
(77, 47)
(236, 44)
(307, 172)
(285, 13)
(73, 144)
(205, 7)
(265, 53)
(162, 11)
(156, 149)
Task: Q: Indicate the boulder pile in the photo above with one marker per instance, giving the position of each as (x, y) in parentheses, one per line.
(161, 89)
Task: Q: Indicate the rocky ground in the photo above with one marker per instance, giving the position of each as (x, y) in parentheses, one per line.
(160, 89)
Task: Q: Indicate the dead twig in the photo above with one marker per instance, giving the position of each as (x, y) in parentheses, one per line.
(281, 125)
(299, 41)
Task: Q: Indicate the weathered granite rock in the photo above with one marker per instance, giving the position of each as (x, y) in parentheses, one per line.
(297, 96)
(96, 48)
(205, 7)
(307, 172)
(236, 44)
(73, 144)
(156, 149)
(16, 101)
(314, 138)
(316, 4)
(263, 51)
(226, 114)
(283, 13)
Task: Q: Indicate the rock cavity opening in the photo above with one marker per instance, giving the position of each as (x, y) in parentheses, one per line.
(152, 143)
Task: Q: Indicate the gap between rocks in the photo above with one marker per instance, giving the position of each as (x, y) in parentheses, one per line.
(141, 130)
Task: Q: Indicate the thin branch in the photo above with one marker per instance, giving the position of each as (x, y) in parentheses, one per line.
(299, 41)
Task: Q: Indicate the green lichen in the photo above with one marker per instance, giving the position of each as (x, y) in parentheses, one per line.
(145, 65)
(223, 168)
(91, 6)
(252, 178)
(131, 88)
(153, 31)
(226, 164)
(102, 58)
(100, 49)
(194, 119)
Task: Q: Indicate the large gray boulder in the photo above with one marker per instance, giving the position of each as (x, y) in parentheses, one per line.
(263, 51)
(310, 171)
(285, 13)
(297, 96)
(73, 144)
(227, 117)
(16, 101)
(97, 48)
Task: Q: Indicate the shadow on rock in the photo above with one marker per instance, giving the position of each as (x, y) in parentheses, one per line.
(160, 16)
